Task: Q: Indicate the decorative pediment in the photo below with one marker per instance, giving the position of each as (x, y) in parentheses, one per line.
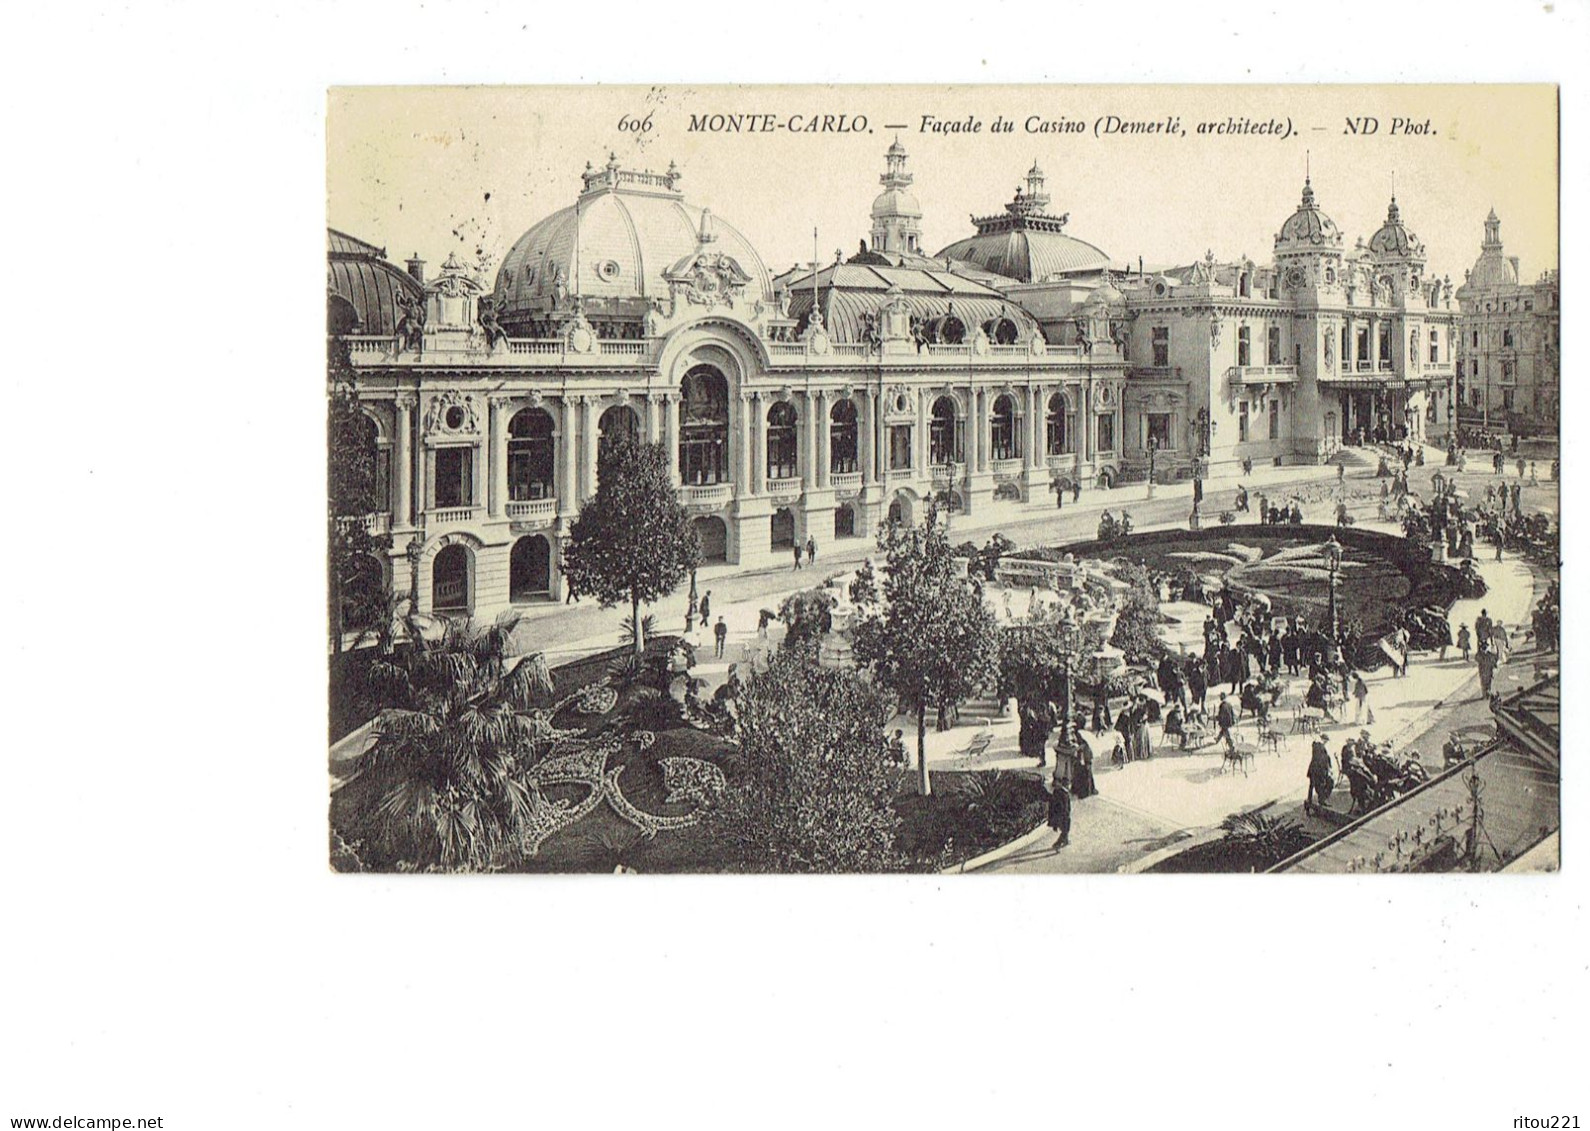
(899, 405)
(707, 278)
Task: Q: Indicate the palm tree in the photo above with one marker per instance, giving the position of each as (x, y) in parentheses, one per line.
(445, 781)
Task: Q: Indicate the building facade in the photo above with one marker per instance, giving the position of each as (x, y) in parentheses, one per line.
(1509, 341)
(831, 398)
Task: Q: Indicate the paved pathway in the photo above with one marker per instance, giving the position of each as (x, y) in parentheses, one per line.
(1146, 802)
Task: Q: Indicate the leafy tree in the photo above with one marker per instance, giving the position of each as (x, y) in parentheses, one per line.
(812, 790)
(633, 540)
(806, 614)
(443, 784)
(932, 640)
(350, 494)
(1137, 622)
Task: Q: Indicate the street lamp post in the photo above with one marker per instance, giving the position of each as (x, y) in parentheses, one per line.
(1070, 639)
(1333, 563)
(1153, 450)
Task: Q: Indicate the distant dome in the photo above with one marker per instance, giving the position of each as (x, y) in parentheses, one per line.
(1308, 228)
(1393, 238)
(1492, 268)
(615, 242)
(1025, 242)
(896, 202)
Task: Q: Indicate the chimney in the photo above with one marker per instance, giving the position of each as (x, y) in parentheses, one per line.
(416, 267)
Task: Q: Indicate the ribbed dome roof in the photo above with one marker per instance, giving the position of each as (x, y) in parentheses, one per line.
(896, 202)
(358, 273)
(1492, 269)
(1308, 228)
(1393, 238)
(615, 242)
(1027, 254)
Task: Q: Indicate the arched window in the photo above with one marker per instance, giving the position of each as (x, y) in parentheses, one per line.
(783, 530)
(944, 434)
(1056, 434)
(704, 428)
(530, 456)
(450, 580)
(379, 457)
(714, 538)
(781, 441)
(1007, 436)
(619, 420)
(1001, 331)
(844, 521)
(842, 438)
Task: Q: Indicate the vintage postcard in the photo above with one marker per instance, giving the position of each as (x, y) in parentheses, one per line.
(978, 479)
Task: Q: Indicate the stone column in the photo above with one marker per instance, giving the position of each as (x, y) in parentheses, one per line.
(672, 434)
(403, 498)
(758, 446)
(1035, 451)
(821, 423)
(568, 491)
(649, 418)
(921, 456)
(497, 458)
(974, 430)
(741, 439)
(428, 499)
(809, 463)
(866, 436)
(591, 439)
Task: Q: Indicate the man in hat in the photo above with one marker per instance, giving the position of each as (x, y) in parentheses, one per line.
(1320, 782)
(1225, 719)
(1060, 811)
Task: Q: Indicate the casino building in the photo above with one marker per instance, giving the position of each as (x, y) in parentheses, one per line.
(826, 400)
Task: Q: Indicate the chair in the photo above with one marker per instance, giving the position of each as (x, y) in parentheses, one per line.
(1237, 758)
(979, 744)
(1269, 736)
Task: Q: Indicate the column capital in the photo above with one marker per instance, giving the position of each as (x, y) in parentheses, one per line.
(407, 402)
(501, 400)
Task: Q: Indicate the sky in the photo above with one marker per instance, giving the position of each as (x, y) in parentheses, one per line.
(435, 169)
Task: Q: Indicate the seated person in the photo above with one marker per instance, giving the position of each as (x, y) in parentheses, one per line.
(1175, 725)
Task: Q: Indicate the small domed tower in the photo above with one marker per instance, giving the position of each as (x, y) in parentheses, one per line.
(1397, 255)
(896, 215)
(1308, 249)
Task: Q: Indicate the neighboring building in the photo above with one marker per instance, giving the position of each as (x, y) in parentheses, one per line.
(1234, 360)
(1509, 342)
(826, 400)
(785, 416)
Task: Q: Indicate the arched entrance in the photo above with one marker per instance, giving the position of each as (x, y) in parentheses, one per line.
(530, 569)
(450, 580)
(943, 434)
(902, 510)
(783, 529)
(714, 538)
(844, 521)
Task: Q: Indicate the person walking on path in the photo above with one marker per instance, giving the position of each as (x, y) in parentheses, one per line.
(798, 555)
(706, 607)
(1500, 642)
(811, 550)
(1060, 812)
(1225, 719)
(720, 636)
(1487, 663)
(1361, 697)
(1320, 782)
(1465, 644)
(1400, 641)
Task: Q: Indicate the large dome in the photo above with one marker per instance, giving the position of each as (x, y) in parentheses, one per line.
(1308, 229)
(615, 243)
(1027, 254)
(366, 294)
(1492, 268)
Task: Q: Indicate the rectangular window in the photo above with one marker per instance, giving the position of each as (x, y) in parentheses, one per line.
(455, 477)
(1273, 346)
(1242, 422)
(1275, 420)
(1476, 339)
(1507, 400)
(1159, 429)
(1507, 339)
(1244, 347)
(899, 447)
(1385, 348)
(1106, 433)
(1435, 346)
(1162, 347)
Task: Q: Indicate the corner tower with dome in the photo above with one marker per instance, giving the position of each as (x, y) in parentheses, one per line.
(1509, 343)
